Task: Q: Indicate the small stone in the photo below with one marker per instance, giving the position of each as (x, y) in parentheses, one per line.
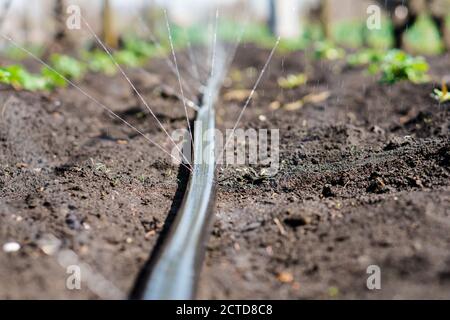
(351, 117)
(84, 250)
(21, 165)
(275, 105)
(129, 240)
(285, 277)
(397, 142)
(418, 183)
(262, 118)
(378, 130)
(49, 244)
(11, 247)
(364, 260)
(150, 234)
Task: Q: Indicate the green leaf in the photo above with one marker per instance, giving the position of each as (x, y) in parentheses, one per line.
(99, 61)
(140, 48)
(5, 76)
(20, 78)
(68, 66)
(441, 96)
(327, 50)
(127, 58)
(398, 65)
(293, 81)
(365, 57)
(53, 79)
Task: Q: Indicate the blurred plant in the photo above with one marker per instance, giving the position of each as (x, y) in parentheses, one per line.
(17, 54)
(327, 50)
(64, 67)
(442, 96)
(398, 65)
(52, 79)
(355, 34)
(4, 76)
(365, 57)
(181, 36)
(140, 48)
(127, 58)
(292, 81)
(135, 52)
(348, 33)
(18, 77)
(291, 45)
(423, 37)
(258, 34)
(68, 66)
(99, 61)
(380, 38)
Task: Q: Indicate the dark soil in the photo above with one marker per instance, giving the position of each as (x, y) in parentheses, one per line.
(72, 171)
(363, 180)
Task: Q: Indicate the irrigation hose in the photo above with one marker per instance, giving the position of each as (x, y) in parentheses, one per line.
(176, 269)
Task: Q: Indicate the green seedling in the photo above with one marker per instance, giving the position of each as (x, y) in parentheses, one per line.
(327, 50)
(293, 81)
(99, 61)
(68, 66)
(53, 79)
(127, 58)
(365, 57)
(292, 45)
(17, 54)
(5, 76)
(398, 65)
(63, 67)
(141, 49)
(19, 78)
(442, 95)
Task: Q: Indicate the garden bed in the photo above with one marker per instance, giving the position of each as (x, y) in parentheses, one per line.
(364, 179)
(71, 171)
